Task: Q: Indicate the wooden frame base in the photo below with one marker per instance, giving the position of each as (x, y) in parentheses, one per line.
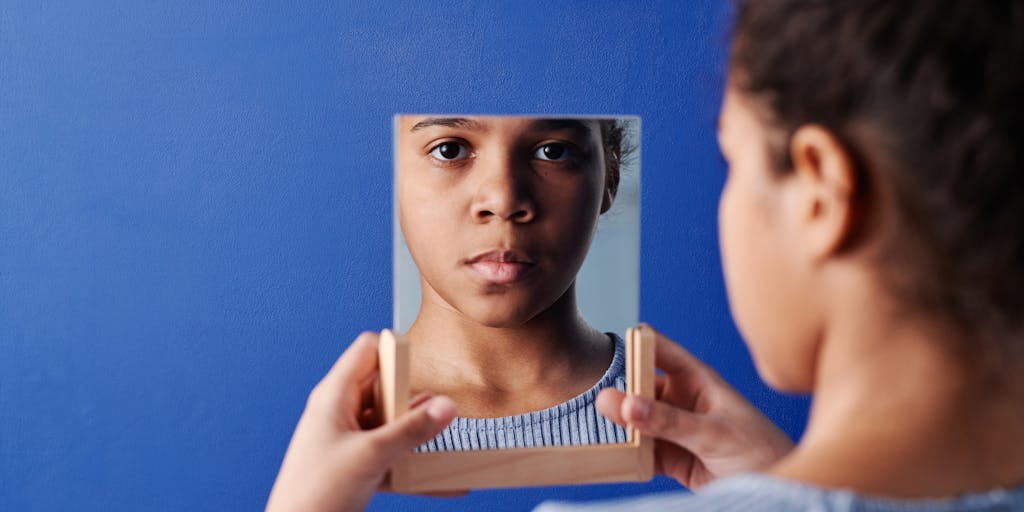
(632, 461)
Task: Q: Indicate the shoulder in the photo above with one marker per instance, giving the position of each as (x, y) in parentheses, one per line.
(573, 422)
(765, 493)
(728, 495)
(615, 376)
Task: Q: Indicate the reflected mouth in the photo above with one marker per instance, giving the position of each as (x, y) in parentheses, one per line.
(502, 267)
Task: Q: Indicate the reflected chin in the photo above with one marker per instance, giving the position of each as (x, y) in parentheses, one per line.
(498, 318)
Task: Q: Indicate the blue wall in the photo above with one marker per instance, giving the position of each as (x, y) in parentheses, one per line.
(194, 216)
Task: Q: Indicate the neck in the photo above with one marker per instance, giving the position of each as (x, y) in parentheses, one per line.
(899, 413)
(499, 371)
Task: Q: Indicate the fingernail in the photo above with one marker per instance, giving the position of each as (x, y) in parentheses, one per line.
(440, 408)
(639, 408)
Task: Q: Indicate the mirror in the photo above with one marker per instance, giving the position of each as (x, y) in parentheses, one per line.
(516, 279)
(608, 281)
(516, 271)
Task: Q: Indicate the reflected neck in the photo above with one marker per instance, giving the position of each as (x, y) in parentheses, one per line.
(499, 371)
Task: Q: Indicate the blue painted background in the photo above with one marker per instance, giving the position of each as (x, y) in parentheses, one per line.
(194, 216)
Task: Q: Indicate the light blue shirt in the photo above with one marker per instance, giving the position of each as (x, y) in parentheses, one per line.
(574, 422)
(762, 493)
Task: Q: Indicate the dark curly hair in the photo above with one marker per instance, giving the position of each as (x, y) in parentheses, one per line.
(613, 140)
(928, 98)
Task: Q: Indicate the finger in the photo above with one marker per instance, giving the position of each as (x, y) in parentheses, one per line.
(358, 362)
(372, 415)
(369, 419)
(671, 357)
(665, 421)
(609, 403)
(368, 391)
(682, 367)
(674, 461)
(342, 388)
(414, 428)
(660, 382)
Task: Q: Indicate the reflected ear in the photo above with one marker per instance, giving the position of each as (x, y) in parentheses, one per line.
(611, 178)
(824, 200)
(607, 200)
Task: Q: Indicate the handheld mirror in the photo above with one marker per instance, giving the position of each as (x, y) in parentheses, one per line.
(516, 278)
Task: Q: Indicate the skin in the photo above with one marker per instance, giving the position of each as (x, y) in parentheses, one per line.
(472, 186)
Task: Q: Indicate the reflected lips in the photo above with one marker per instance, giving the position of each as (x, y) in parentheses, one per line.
(501, 267)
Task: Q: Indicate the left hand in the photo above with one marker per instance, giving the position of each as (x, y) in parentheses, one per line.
(337, 457)
(704, 429)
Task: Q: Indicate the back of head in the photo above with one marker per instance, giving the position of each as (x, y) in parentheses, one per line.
(928, 97)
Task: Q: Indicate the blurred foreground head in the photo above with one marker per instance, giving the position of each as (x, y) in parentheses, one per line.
(927, 96)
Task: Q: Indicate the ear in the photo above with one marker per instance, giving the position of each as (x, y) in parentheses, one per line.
(607, 200)
(611, 179)
(824, 199)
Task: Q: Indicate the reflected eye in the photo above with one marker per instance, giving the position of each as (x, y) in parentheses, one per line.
(449, 151)
(554, 151)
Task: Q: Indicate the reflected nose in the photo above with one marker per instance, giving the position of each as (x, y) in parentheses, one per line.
(505, 192)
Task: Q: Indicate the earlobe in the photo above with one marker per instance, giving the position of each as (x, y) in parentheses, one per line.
(607, 200)
(827, 176)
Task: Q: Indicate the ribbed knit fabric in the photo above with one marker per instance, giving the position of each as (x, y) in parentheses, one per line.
(575, 422)
(762, 493)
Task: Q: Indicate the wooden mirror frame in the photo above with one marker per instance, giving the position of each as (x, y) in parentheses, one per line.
(632, 461)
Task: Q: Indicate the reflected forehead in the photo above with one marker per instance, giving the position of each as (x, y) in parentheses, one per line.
(463, 123)
(581, 127)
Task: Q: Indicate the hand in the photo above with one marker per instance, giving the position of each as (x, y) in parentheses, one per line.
(336, 459)
(704, 428)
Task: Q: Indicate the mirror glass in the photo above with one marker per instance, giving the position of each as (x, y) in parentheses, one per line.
(516, 270)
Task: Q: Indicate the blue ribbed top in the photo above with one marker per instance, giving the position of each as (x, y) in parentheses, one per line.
(574, 422)
(758, 492)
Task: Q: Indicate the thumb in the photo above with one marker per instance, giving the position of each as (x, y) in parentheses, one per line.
(416, 426)
(694, 432)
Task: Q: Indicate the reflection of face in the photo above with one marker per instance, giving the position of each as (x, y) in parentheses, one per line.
(499, 212)
(757, 250)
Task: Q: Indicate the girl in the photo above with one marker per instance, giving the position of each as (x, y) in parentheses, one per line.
(873, 251)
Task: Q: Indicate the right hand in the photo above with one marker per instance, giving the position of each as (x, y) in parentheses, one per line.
(339, 454)
(704, 428)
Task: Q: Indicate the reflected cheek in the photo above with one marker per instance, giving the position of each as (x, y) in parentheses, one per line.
(568, 222)
(427, 226)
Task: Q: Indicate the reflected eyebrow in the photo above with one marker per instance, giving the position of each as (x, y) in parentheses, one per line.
(551, 125)
(451, 122)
